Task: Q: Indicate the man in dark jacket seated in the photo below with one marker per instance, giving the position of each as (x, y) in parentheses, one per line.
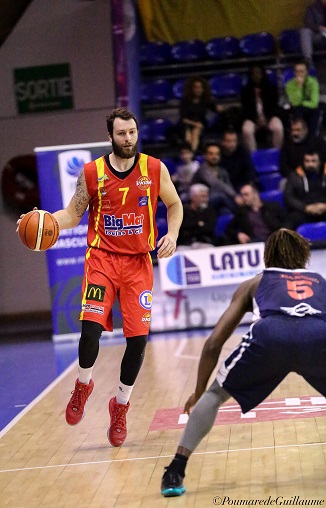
(199, 219)
(255, 220)
(305, 191)
(295, 146)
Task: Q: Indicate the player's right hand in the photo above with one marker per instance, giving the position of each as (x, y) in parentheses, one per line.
(21, 217)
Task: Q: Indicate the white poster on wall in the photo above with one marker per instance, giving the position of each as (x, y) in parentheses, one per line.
(211, 267)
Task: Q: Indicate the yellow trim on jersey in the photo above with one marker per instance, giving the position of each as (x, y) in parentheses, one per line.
(100, 183)
(81, 315)
(143, 161)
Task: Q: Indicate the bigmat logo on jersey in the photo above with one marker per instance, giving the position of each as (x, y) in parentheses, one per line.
(211, 267)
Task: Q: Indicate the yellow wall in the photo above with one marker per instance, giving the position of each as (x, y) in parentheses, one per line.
(176, 20)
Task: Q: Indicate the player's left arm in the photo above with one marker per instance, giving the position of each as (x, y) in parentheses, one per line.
(168, 194)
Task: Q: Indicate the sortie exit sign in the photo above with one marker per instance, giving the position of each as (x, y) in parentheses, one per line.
(43, 88)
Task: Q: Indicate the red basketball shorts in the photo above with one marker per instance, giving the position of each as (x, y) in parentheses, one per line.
(128, 277)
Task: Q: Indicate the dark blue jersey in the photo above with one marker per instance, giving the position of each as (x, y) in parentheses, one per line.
(291, 292)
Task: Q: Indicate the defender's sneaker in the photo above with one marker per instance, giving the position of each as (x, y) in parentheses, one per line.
(76, 407)
(172, 483)
(117, 432)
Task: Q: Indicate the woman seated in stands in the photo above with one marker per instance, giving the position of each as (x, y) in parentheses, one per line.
(259, 100)
(196, 103)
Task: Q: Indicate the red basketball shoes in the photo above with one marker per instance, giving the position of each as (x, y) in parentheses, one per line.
(76, 407)
(117, 432)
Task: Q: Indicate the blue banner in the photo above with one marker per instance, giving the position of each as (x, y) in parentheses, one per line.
(58, 169)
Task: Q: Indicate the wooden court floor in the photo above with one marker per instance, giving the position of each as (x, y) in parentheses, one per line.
(275, 459)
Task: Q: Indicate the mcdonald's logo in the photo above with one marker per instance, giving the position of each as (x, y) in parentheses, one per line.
(95, 292)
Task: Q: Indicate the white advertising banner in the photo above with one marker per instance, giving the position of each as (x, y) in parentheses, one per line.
(211, 267)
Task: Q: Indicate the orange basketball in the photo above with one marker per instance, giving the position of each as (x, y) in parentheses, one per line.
(38, 230)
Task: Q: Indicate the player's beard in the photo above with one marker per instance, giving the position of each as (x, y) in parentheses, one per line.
(124, 152)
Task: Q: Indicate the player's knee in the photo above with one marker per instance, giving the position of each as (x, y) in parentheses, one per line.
(91, 332)
(137, 344)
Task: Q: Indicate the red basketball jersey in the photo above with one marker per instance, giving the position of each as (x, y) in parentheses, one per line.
(122, 212)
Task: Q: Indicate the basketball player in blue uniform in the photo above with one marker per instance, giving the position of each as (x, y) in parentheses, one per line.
(288, 334)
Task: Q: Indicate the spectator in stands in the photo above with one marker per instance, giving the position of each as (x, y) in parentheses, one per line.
(313, 35)
(302, 92)
(259, 100)
(255, 220)
(199, 219)
(296, 144)
(305, 191)
(196, 103)
(236, 159)
(222, 194)
(185, 170)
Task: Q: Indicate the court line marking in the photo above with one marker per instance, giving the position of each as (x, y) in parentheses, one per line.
(38, 398)
(179, 351)
(156, 457)
(52, 385)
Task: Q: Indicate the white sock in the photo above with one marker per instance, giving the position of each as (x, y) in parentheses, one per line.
(124, 392)
(85, 375)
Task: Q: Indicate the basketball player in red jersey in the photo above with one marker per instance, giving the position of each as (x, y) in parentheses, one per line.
(121, 190)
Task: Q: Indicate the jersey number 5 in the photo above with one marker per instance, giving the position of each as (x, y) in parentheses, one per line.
(299, 289)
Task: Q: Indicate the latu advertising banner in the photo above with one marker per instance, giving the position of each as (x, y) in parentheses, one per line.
(58, 170)
(218, 266)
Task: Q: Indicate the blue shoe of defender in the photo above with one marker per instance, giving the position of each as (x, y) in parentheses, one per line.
(172, 484)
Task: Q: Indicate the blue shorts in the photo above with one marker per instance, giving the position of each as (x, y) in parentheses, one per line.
(274, 347)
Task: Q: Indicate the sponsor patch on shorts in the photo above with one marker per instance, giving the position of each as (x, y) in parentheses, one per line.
(94, 292)
(145, 299)
(146, 318)
(97, 309)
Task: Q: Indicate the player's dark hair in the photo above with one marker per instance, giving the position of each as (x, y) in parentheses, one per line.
(286, 249)
(122, 113)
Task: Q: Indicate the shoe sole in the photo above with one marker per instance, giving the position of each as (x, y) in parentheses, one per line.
(74, 424)
(173, 492)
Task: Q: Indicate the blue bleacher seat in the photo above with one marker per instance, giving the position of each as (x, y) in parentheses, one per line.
(273, 195)
(170, 164)
(221, 48)
(226, 85)
(258, 44)
(160, 211)
(159, 130)
(155, 53)
(178, 88)
(266, 160)
(144, 131)
(289, 41)
(189, 51)
(155, 130)
(270, 181)
(158, 90)
(145, 93)
(272, 76)
(199, 158)
(221, 224)
(314, 231)
(162, 229)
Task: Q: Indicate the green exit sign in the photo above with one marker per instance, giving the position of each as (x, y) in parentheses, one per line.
(43, 88)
